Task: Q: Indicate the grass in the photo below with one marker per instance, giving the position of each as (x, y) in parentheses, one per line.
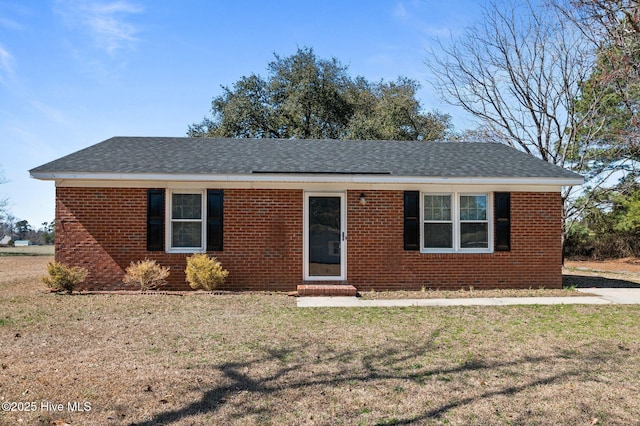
(27, 251)
(257, 359)
(465, 293)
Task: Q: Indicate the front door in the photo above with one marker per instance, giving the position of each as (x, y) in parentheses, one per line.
(325, 239)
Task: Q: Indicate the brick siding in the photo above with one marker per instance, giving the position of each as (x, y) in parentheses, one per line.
(376, 258)
(104, 229)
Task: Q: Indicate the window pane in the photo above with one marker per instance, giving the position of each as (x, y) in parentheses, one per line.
(473, 207)
(186, 206)
(186, 234)
(474, 235)
(437, 207)
(438, 235)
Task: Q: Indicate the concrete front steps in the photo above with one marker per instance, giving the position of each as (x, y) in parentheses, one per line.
(305, 290)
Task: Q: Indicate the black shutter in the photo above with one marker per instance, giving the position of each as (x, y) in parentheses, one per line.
(155, 220)
(411, 220)
(214, 219)
(503, 221)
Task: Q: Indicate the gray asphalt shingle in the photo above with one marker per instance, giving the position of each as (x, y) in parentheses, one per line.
(194, 156)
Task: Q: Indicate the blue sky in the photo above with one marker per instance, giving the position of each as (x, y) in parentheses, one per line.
(76, 72)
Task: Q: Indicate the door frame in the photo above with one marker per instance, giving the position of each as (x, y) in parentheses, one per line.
(343, 234)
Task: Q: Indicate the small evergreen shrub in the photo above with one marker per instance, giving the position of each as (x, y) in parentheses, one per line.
(204, 272)
(146, 274)
(63, 278)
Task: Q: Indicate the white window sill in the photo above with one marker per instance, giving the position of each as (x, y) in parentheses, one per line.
(188, 250)
(459, 251)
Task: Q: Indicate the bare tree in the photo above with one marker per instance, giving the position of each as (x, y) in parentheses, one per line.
(519, 71)
(613, 27)
(616, 21)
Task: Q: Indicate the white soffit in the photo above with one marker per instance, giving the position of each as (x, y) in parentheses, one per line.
(308, 178)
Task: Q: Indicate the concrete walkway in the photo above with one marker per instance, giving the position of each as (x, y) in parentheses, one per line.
(603, 296)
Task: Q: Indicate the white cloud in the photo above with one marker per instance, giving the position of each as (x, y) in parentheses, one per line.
(400, 11)
(6, 62)
(433, 19)
(10, 24)
(105, 21)
(50, 113)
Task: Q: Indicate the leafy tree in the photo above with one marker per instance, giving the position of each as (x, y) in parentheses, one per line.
(609, 107)
(307, 97)
(390, 111)
(629, 216)
(609, 226)
(613, 26)
(48, 232)
(23, 228)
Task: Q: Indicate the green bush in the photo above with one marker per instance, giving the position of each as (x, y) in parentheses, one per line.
(579, 242)
(584, 243)
(204, 272)
(146, 274)
(62, 277)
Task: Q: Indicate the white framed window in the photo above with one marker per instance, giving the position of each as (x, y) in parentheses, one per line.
(437, 222)
(186, 227)
(456, 222)
(474, 223)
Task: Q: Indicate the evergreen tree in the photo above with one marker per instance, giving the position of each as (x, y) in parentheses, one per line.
(306, 97)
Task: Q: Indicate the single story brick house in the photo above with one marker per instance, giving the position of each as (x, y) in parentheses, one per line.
(284, 214)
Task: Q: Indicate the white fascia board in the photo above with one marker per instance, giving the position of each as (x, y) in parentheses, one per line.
(311, 178)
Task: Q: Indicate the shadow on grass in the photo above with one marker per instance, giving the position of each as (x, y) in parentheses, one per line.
(352, 367)
(583, 281)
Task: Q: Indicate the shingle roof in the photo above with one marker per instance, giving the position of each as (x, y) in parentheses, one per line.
(205, 156)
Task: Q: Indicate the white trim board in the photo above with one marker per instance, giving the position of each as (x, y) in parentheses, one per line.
(311, 186)
(309, 178)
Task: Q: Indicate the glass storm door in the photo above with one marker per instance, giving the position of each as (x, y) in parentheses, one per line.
(325, 238)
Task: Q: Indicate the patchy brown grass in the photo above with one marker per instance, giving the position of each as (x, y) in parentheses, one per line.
(465, 293)
(624, 265)
(27, 251)
(257, 359)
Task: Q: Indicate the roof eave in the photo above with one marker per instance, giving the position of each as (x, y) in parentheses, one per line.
(309, 178)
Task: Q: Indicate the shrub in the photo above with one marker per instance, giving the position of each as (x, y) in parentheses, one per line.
(62, 277)
(146, 274)
(579, 242)
(204, 272)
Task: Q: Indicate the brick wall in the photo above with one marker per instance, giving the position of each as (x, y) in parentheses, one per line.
(376, 257)
(99, 228)
(104, 229)
(263, 239)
